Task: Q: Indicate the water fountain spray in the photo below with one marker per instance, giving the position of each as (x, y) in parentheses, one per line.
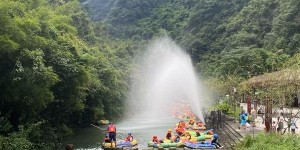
(164, 76)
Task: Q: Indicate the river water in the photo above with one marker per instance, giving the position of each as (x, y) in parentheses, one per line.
(164, 79)
(142, 129)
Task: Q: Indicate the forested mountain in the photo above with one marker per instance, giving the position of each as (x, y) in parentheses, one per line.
(99, 9)
(58, 70)
(241, 37)
(66, 63)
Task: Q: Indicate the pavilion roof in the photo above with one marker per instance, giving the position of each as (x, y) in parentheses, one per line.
(279, 78)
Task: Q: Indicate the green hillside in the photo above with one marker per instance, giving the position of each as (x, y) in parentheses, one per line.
(241, 37)
(58, 71)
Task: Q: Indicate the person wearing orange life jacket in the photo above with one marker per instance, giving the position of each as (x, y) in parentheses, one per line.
(182, 123)
(155, 140)
(169, 134)
(129, 138)
(180, 130)
(209, 132)
(191, 122)
(112, 131)
(187, 135)
(200, 124)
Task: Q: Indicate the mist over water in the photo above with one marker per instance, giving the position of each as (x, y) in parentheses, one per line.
(164, 76)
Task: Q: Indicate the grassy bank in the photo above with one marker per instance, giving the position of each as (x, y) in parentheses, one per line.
(269, 142)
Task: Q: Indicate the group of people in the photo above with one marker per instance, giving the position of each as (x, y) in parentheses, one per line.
(277, 125)
(182, 134)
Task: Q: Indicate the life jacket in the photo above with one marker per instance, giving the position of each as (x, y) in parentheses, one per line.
(155, 140)
(111, 128)
(200, 124)
(191, 122)
(180, 130)
(129, 138)
(183, 124)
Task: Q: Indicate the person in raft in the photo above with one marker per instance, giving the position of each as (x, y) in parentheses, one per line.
(106, 138)
(214, 141)
(129, 137)
(169, 134)
(187, 135)
(191, 122)
(197, 133)
(155, 140)
(112, 131)
(200, 124)
(180, 130)
(176, 138)
(209, 132)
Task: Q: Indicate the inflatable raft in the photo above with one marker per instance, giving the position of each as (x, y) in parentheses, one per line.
(208, 136)
(103, 122)
(104, 144)
(201, 137)
(199, 145)
(127, 143)
(121, 143)
(165, 144)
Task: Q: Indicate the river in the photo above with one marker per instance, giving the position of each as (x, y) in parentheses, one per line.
(142, 129)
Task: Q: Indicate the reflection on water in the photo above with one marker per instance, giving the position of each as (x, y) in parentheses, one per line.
(87, 138)
(141, 129)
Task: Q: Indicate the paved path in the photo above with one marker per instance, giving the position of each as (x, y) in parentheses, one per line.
(257, 129)
(248, 130)
(260, 127)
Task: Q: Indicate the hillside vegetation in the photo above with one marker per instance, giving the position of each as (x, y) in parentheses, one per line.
(240, 37)
(58, 70)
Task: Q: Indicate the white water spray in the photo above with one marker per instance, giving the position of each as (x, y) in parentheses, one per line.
(165, 75)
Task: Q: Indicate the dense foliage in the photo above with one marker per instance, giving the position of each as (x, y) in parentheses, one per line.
(269, 141)
(58, 70)
(240, 37)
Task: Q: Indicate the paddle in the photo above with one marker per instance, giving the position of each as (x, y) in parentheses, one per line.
(97, 127)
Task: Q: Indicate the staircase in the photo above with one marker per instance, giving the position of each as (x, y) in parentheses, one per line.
(229, 136)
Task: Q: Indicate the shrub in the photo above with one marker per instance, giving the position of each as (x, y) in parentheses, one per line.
(269, 141)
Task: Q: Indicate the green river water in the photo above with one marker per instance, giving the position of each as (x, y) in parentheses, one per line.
(142, 129)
